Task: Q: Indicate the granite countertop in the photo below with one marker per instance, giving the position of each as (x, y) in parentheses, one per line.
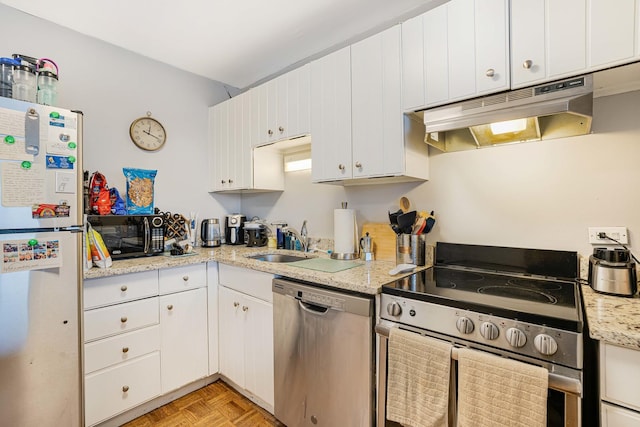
(366, 278)
(613, 319)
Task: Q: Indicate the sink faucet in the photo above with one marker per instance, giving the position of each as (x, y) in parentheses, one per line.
(301, 236)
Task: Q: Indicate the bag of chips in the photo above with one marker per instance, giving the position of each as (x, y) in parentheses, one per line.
(117, 204)
(99, 252)
(139, 190)
(99, 195)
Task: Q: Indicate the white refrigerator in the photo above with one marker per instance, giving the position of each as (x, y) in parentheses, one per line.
(40, 271)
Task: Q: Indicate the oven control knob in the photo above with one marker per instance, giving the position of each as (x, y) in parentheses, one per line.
(516, 337)
(489, 331)
(394, 309)
(545, 344)
(464, 325)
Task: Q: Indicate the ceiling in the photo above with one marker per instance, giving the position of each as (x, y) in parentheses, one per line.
(236, 42)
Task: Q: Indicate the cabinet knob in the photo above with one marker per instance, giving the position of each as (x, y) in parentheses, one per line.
(230, 181)
(341, 167)
(490, 72)
(281, 129)
(235, 304)
(125, 349)
(185, 278)
(170, 307)
(270, 132)
(358, 165)
(123, 288)
(527, 64)
(245, 308)
(125, 388)
(223, 182)
(123, 319)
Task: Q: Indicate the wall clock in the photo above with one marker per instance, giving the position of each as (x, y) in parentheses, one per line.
(147, 133)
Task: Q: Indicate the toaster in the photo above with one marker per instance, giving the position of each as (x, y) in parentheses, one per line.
(611, 271)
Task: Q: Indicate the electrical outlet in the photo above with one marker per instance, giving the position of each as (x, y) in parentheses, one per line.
(617, 233)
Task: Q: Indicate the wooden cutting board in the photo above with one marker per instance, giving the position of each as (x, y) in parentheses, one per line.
(383, 240)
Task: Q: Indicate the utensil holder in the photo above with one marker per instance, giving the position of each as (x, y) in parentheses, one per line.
(410, 249)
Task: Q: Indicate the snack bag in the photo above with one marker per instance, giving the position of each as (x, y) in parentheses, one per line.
(139, 190)
(117, 204)
(97, 184)
(99, 253)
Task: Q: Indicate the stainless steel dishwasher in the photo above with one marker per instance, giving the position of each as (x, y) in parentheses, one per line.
(324, 356)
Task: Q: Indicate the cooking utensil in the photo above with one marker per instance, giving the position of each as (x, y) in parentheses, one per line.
(406, 221)
(418, 226)
(430, 221)
(393, 216)
(405, 204)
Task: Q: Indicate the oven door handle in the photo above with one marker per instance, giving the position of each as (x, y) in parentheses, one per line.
(556, 381)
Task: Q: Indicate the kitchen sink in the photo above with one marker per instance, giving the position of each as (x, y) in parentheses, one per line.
(277, 257)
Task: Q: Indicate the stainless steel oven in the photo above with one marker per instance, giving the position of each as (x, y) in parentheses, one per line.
(522, 304)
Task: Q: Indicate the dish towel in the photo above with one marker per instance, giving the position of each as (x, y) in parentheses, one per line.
(417, 380)
(494, 391)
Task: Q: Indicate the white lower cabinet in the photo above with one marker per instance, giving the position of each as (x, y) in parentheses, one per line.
(619, 375)
(145, 335)
(183, 325)
(246, 332)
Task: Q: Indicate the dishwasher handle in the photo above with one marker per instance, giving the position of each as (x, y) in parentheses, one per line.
(313, 308)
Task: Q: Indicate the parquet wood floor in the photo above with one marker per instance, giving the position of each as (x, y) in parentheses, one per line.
(216, 405)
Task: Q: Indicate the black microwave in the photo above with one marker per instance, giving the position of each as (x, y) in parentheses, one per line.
(130, 236)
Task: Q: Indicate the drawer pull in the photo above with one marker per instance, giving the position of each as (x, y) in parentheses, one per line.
(245, 308)
(125, 349)
(125, 388)
(170, 307)
(235, 304)
(123, 288)
(123, 319)
(185, 278)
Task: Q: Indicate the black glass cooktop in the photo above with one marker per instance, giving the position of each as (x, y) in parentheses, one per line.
(535, 299)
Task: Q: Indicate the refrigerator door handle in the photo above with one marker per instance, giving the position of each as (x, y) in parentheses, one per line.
(32, 132)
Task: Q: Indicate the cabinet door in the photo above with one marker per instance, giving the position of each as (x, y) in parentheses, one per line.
(611, 36)
(461, 48)
(567, 37)
(436, 62)
(219, 135)
(243, 158)
(492, 46)
(528, 40)
(183, 331)
(212, 316)
(614, 416)
(258, 356)
(331, 116)
(231, 335)
(413, 65)
(376, 105)
(298, 99)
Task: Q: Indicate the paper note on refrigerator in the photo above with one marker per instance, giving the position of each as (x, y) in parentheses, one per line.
(12, 141)
(22, 185)
(23, 255)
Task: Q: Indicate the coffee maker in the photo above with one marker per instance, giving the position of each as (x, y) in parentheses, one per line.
(233, 229)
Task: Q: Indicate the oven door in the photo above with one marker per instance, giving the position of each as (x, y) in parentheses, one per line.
(565, 385)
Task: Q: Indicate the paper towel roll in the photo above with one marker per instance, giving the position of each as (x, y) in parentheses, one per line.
(344, 231)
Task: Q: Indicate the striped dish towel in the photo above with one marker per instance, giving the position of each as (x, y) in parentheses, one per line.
(418, 380)
(494, 391)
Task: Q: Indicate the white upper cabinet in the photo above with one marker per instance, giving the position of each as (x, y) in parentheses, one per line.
(556, 39)
(331, 117)
(284, 106)
(455, 51)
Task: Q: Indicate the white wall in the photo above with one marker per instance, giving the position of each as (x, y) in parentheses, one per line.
(537, 195)
(112, 87)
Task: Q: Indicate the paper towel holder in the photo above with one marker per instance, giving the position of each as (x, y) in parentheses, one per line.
(355, 254)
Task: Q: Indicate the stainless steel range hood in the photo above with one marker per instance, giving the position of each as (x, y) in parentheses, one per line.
(552, 110)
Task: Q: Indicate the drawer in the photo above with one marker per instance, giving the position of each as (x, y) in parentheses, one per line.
(116, 319)
(116, 289)
(183, 278)
(120, 348)
(619, 375)
(250, 282)
(105, 394)
(614, 416)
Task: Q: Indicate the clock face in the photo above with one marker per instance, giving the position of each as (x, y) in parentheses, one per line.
(147, 133)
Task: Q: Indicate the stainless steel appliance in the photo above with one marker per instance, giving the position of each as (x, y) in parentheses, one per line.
(40, 273)
(256, 234)
(523, 304)
(130, 236)
(210, 233)
(234, 229)
(612, 271)
(323, 361)
(551, 110)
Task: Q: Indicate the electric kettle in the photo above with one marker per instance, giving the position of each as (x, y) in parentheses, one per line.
(210, 233)
(611, 271)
